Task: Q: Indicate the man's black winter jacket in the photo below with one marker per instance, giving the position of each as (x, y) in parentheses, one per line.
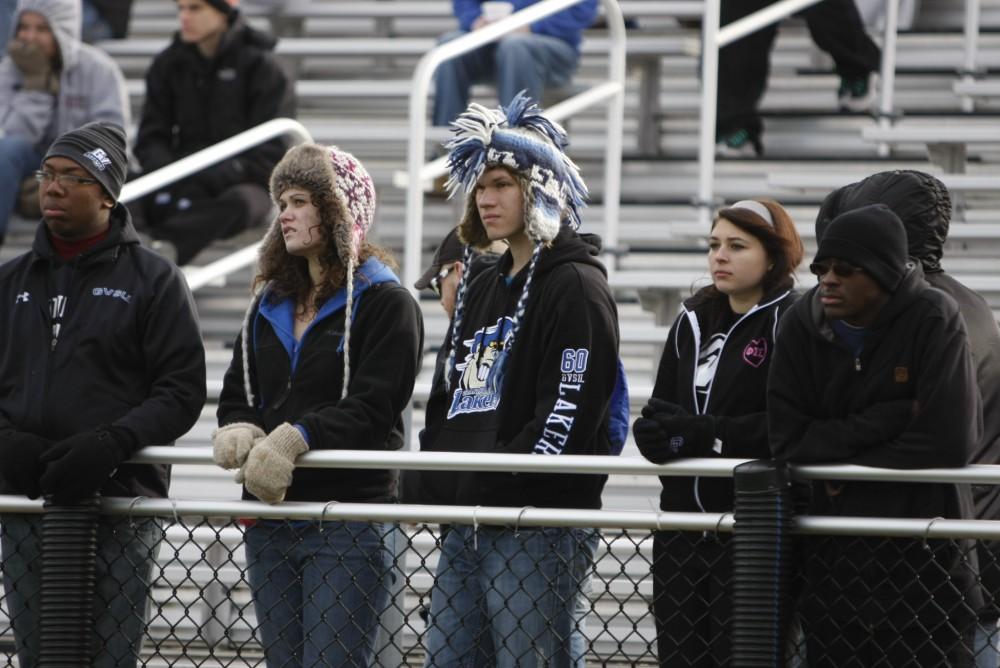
(109, 338)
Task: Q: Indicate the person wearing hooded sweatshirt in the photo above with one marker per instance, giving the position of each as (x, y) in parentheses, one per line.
(872, 367)
(50, 83)
(217, 78)
(709, 401)
(101, 356)
(532, 368)
(923, 204)
(326, 359)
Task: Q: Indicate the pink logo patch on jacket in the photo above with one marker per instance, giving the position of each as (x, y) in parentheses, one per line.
(755, 353)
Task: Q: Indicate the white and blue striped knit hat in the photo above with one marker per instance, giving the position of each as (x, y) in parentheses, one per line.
(531, 146)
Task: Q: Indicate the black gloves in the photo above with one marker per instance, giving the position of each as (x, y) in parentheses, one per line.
(77, 467)
(19, 461)
(666, 432)
(656, 407)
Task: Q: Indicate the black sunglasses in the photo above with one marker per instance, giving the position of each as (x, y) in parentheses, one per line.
(839, 269)
(435, 282)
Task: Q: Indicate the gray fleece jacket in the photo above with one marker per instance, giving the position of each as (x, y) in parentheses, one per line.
(91, 86)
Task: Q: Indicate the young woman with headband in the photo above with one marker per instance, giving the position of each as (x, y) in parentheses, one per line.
(708, 401)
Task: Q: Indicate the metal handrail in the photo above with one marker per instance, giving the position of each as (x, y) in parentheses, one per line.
(894, 527)
(612, 90)
(971, 31)
(714, 38)
(480, 461)
(148, 183)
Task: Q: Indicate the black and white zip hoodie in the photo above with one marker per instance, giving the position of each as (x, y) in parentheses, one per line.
(558, 384)
(736, 395)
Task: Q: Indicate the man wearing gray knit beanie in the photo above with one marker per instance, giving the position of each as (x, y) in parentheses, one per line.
(101, 356)
(872, 367)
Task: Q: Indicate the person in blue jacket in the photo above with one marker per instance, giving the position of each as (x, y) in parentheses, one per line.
(542, 55)
(326, 360)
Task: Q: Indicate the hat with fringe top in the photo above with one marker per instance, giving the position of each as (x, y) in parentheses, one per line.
(520, 138)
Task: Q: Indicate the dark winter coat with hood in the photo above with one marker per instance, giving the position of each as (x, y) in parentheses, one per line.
(193, 102)
(108, 338)
(301, 381)
(923, 204)
(909, 401)
(558, 384)
(736, 397)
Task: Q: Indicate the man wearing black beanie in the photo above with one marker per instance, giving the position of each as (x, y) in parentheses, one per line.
(872, 367)
(101, 355)
(924, 205)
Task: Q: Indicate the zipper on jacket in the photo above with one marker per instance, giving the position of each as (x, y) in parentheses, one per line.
(857, 363)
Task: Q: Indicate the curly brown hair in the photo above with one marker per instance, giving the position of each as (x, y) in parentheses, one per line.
(288, 275)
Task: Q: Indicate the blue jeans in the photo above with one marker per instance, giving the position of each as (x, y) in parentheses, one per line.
(519, 61)
(6, 24)
(517, 591)
(126, 553)
(583, 570)
(18, 160)
(319, 594)
(987, 645)
(94, 28)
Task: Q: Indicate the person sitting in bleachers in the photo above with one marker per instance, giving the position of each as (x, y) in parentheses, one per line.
(836, 28)
(105, 19)
(217, 78)
(542, 55)
(50, 83)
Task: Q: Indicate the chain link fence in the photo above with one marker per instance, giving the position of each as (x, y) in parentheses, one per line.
(222, 589)
(195, 583)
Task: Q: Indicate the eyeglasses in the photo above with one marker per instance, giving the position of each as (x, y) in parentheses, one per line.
(435, 283)
(64, 180)
(839, 269)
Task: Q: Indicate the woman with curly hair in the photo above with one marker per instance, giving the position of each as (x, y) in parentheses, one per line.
(326, 359)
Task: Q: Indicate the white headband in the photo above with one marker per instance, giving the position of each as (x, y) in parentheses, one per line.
(756, 207)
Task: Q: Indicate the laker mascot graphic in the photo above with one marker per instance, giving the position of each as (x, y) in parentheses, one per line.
(473, 395)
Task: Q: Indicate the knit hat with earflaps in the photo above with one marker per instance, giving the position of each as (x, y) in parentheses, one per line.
(344, 195)
(519, 138)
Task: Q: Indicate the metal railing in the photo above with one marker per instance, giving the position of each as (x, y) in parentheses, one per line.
(201, 597)
(175, 171)
(613, 91)
(971, 32)
(714, 38)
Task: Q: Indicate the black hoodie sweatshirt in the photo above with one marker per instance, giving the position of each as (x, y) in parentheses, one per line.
(909, 401)
(923, 203)
(736, 397)
(558, 384)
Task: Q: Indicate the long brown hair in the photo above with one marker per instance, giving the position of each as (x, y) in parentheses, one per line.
(781, 241)
(289, 274)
